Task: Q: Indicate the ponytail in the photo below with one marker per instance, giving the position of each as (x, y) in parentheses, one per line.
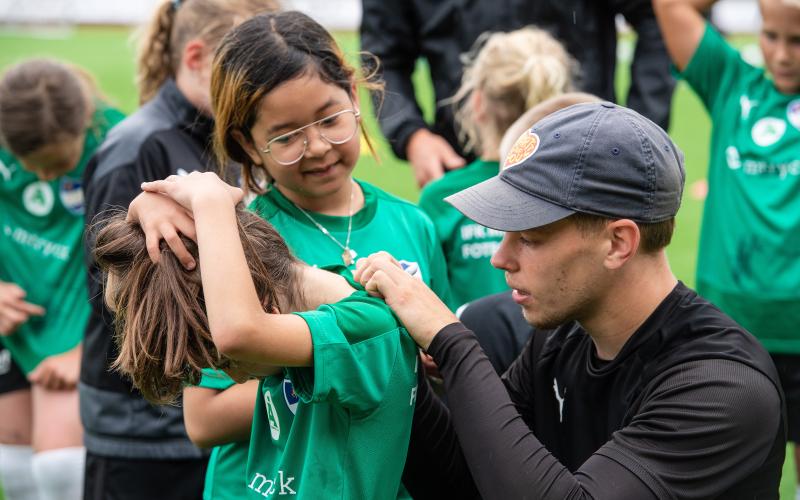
(155, 61)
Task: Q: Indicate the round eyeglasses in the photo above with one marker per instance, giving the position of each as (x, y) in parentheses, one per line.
(337, 128)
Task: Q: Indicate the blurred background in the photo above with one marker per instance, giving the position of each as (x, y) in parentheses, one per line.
(97, 35)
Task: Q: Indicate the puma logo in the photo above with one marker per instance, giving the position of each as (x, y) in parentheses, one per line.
(560, 399)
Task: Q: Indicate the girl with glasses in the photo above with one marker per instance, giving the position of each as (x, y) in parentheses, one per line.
(286, 110)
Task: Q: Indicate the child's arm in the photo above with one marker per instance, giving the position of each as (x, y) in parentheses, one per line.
(213, 417)
(240, 327)
(682, 25)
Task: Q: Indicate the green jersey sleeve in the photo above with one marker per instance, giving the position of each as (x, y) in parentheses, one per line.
(215, 379)
(714, 67)
(356, 345)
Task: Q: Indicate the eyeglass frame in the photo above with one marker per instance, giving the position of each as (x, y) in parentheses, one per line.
(267, 150)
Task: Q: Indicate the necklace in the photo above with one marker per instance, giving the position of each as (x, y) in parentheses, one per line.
(348, 254)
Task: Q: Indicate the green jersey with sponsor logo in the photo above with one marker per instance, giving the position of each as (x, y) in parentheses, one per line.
(227, 464)
(749, 260)
(340, 428)
(41, 232)
(467, 246)
(383, 223)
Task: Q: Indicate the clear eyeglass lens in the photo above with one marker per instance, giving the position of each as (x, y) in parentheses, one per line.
(336, 129)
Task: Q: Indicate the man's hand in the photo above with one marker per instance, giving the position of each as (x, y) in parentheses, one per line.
(419, 309)
(430, 155)
(59, 372)
(14, 311)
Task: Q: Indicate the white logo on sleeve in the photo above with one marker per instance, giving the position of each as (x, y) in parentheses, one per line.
(38, 198)
(5, 171)
(793, 113)
(768, 131)
(412, 268)
(272, 416)
(733, 158)
(560, 399)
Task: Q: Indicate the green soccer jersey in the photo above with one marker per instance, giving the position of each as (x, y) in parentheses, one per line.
(749, 260)
(383, 223)
(41, 232)
(339, 429)
(467, 246)
(227, 464)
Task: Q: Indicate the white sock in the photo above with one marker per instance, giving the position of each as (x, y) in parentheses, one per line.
(59, 473)
(16, 472)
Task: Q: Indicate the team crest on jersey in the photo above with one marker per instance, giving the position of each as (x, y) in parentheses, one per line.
(38, 198)
(793, 113)
(524, 148)
(768, 131)
(412, 268)
(71, 193)
(290, 396)
(272, 416)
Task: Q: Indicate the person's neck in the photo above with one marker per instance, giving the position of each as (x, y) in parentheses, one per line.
(319, 287)
(490, 145)
(337, 203)
(628, 303)
(184, 82)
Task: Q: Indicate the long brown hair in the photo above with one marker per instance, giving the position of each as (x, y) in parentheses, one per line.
(44, 101)
(174, 24)
(162, 330)
(256, 57)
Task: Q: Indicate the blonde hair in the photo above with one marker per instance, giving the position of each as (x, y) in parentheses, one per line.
(513, 71)
(536, 113)
(174, 24)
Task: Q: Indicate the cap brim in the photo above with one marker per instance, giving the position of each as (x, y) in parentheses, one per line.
(496, 204)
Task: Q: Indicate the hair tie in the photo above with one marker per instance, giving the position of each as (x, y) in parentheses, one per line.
(176, 4)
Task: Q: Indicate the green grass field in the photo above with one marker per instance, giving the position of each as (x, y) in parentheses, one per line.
(109, 55)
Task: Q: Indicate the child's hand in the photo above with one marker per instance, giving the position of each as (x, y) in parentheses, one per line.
(193, 188)
(14, 310)
(163, 219)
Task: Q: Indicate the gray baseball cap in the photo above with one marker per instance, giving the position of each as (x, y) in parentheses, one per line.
(595, 158)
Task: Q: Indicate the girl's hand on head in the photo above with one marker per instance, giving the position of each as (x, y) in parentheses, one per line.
(194, 188)
(14, 310)
(163, 219)
(419, 309)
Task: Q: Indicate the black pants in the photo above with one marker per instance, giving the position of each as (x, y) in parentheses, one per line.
(109, 478)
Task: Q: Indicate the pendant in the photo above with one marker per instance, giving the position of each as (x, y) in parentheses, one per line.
(349, 256)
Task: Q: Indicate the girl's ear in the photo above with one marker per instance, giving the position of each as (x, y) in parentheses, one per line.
(248, 146)
(478, 105)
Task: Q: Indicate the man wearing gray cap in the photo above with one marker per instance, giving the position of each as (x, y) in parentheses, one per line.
(633, 386)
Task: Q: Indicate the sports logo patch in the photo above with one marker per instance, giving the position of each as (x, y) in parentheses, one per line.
(272, 416)
(412, 268)
(290, 396)
(71, 193)
(38, 198)
(768, 131)
(526, 145)
(793, 113)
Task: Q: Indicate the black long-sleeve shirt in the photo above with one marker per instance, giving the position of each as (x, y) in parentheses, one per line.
(690, 408)
(400, 32)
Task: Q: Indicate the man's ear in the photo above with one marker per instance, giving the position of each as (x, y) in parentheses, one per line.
(624, 237)
(248, 146)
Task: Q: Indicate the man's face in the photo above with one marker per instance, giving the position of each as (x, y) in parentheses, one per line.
(780, 44)
(555, 271)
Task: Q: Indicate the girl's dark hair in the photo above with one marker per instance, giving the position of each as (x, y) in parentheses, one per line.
(256, 57)
(43, 101)
(162, 331)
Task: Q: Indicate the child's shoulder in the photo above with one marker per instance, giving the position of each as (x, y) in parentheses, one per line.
(389, 204)
(434, 193)
(263, 206)
(361, 316)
